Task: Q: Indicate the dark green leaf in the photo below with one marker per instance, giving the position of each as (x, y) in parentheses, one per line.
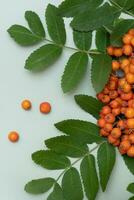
(57, 193)
(89, 177)
(101, 69)
(129, 163)
(71, 8)
(50, 160)
(55, 25)
(89, 104)
(74, 71)
(102, 39)
(23, 36)
(43, 57)
(119, 30)
(132, 198)
(71, 185)
(83, 131)
(82, 40)
(106, 160)
(127, 6)
(67, 146)
(94, 19)
(130, 188)
(35, 23)
(39, 186)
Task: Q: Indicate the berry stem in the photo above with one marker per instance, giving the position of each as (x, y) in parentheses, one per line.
(76, 161)
(91, 52)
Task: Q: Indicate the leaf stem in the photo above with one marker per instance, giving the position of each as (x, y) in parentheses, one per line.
(91, 52)
(76, 161)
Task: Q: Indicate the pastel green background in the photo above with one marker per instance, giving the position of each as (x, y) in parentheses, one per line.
(16, 84)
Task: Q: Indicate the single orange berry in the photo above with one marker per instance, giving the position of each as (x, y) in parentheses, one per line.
(117, 143)
(119, 100)
(114, 104)
(130, 78)
(103, 133)
(105, 99)
(113, 94)
(112, 85)
(26, 105)
(123, 110)
(100, 96)
(116, 133)
(126, 69)
(132, 41)
(110, 118)
(121, 125)
(116, 111)
(131, 138)
(127, 96)
(127, 38)
(127, 88)
(106, 90)
(118, 52)
(130, 151)
(127, 50)
(124, 62)
(121, 82)
(106, 110)
(110, 50)
(115, 65)
(101, 122)
(13, 136)
(111, 140)
(130, 123)
(45, 107)
(125, 145)
(108, 127)
(131, 32)
(129, 112)
(131, 103)
(131, 68)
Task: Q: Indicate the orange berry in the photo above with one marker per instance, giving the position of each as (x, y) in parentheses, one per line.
(110, 50)
(112, 85)
(117, 143)
(116, 133)
(113, 78)
(108, 127)
(131, 32)
(127, 88)
(111, 140)
(124, 137)
(127, 38)
(13, 136)
(122, 82)
(123, 110)
(132, 60)
(124, 103)
(124, 62)
(131, 68)
(130, 152)
(103, 133)
(115, 65)
(127, 49)
(129, 112)
(130, 78)
(106, 90)
(131, 138)
(127, 96)
(131, 103)
(100, 95)
(118, 52)
(119, 100)
(130, 123)
(114, 104)
(113, 94)
(106, 110)
(101, 122)
(126, 69)
(125, 145)
(121, 125)
(26, 104)
(132, 41)
(110, 118)
(45, 107)
(105, 99)
(116, 111)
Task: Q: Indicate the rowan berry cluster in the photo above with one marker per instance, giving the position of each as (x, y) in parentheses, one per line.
(116, 120)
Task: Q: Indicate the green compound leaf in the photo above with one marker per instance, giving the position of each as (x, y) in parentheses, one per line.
(55, 25)
(102, 39)
(67, 146)
(119, 30)
(82, 40)
(127, 6)
(43, 57)
(57, 193)
(106, 160)
(82, 131)
(94, 19)
(89, 177)
(89, 104)
(129, 163)
(101, 69)
(39, 186)
(71, 8)
(35, 23)
(23, 36)
(130, 188)
(50, 160)
(71, 185)
(74, 71)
